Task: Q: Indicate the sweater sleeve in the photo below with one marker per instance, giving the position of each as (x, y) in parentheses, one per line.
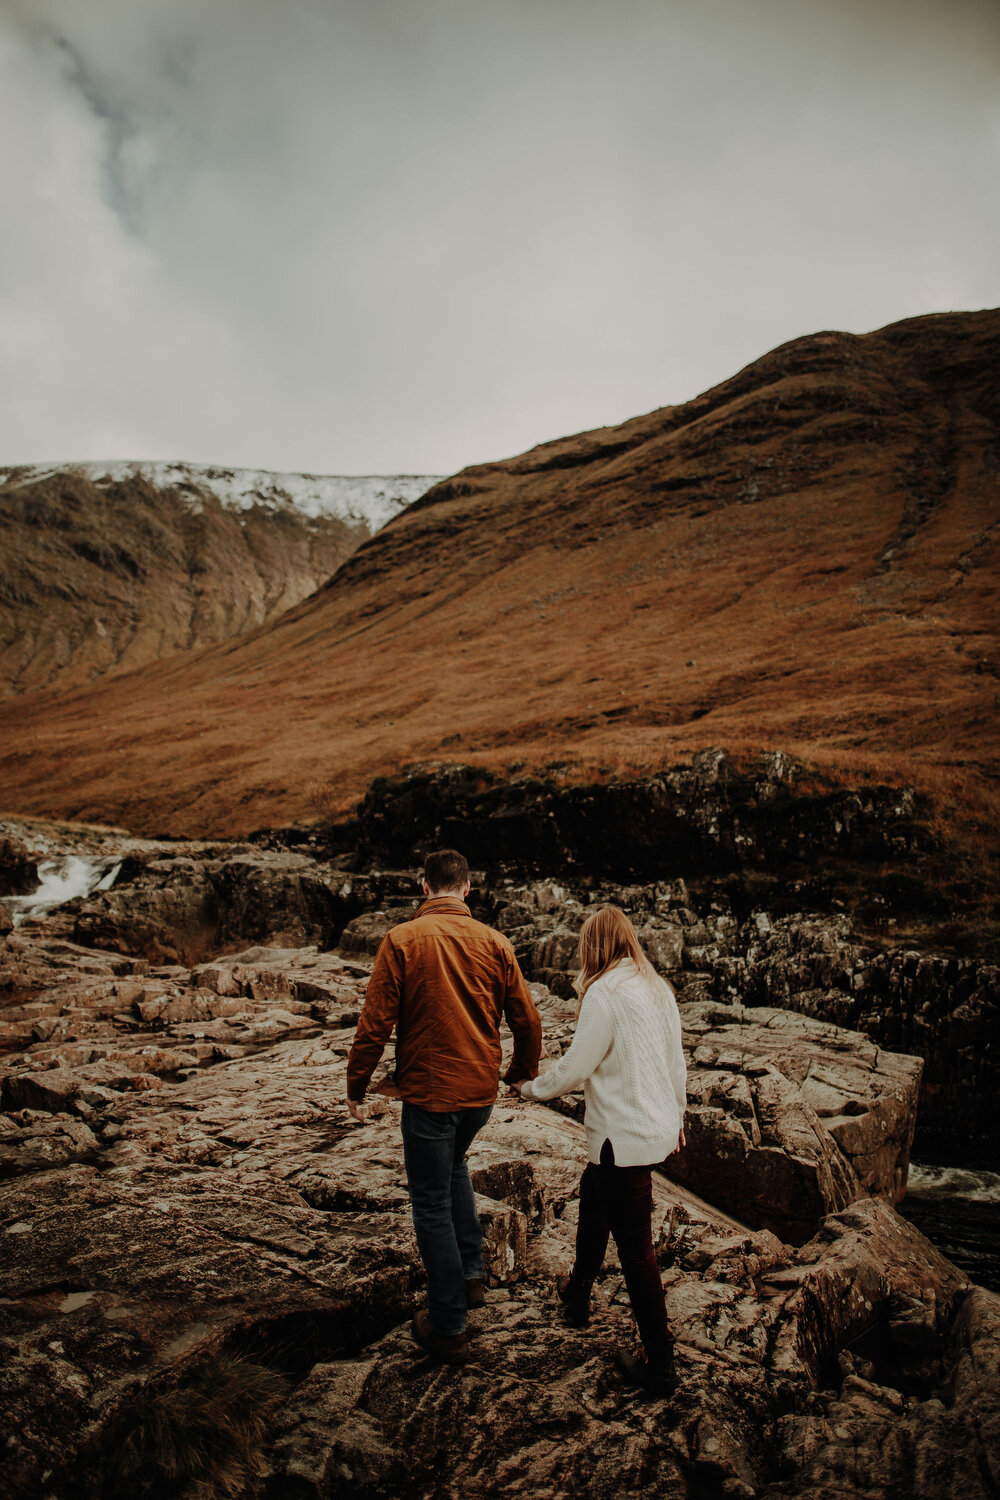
(678, 1067)
(590, 1046)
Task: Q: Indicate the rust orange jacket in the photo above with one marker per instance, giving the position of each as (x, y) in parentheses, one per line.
(444, 980)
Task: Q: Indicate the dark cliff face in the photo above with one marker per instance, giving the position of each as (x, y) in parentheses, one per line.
(711, 817)
(803, 558)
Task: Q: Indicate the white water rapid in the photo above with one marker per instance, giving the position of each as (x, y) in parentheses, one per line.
(61, 881)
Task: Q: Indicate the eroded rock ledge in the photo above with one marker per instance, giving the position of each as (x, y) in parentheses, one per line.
(186, 1198)
(183, 903)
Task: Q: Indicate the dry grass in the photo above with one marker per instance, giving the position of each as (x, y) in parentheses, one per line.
(203, 1437)
(723, 579)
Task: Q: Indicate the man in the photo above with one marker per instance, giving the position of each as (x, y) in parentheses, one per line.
(444, 980)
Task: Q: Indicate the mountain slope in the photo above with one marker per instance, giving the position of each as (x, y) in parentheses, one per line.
(804, 557)
(111, 566)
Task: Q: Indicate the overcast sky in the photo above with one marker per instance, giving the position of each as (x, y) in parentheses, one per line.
(372, 236)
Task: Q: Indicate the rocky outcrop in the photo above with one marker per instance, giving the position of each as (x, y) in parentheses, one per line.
(538, 1413)
(790, 1119)
(181, 908)
(184, 903)
(941, 1007)
(192, 1225)
(715, 815)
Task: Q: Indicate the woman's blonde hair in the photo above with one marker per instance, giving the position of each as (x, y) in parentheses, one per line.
(606, 937)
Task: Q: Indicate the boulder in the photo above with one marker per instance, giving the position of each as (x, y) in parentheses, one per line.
(365, 933)
(30, 1144)
(939, 1006)
(52, 1091)
(790, 1119)
(663, 943)
(18, 867)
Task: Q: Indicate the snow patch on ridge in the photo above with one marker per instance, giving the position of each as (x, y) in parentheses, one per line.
(372, 499)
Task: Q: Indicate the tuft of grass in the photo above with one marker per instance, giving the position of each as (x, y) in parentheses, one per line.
(203, 1437)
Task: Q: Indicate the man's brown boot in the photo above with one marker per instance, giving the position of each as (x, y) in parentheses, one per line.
(452, 1350)
(475, 1292)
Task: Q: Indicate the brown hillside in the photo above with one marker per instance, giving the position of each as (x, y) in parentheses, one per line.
(108, 575)
(804, 557)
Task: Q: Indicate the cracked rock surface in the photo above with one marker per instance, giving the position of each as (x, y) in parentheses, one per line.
(182, 1184)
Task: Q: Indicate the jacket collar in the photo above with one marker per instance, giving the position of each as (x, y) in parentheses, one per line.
(434, 904)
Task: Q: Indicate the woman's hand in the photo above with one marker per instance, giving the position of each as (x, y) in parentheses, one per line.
(682, 1140)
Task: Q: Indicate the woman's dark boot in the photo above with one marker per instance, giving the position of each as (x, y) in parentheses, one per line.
(657, 1377)
(575, 1298)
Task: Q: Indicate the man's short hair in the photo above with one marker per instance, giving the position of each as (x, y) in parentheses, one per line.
(446, 870)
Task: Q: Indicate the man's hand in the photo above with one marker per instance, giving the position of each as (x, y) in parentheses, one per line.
(358, 1110)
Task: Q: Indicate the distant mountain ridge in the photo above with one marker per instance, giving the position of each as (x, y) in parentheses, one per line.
(804, 558)
(110, 566)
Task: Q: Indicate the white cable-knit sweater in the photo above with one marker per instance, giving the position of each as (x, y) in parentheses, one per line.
(626, 1056)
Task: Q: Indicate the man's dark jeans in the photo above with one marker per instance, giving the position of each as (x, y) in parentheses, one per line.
(619, 1201)
(444, 1206)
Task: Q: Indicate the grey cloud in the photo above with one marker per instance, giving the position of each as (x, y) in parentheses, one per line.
(364, 235)
(120, 133)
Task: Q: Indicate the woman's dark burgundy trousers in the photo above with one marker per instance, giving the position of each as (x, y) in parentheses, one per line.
(619, 1201)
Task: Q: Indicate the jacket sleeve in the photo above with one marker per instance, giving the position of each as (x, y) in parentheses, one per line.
(379, 1015)
(524, 1022)
(590, 1046)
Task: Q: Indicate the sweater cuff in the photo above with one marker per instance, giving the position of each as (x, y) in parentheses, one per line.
(527, 1088)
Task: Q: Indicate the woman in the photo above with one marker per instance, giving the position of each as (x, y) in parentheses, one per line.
(626, 1055)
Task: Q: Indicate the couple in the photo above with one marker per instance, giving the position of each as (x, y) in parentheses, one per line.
(444, 980)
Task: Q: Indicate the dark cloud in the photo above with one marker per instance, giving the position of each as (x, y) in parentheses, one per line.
(372, 235)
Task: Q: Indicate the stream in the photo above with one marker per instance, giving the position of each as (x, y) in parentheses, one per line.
(958, 1209)
(62, 880)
